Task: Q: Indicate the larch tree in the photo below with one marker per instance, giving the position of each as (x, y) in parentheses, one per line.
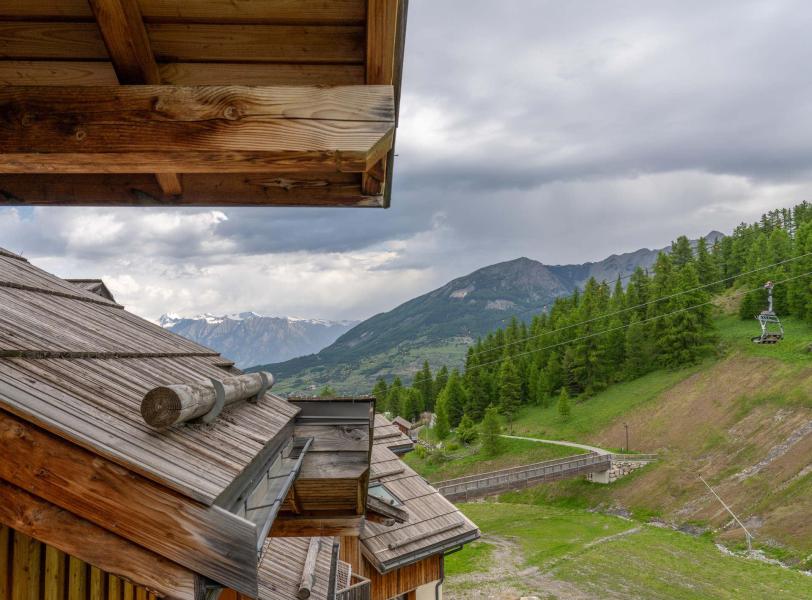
(490, 432)
(510, 390)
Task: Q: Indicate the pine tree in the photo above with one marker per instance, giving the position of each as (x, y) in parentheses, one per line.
(380, 392)
(491, 429)
(707, 267)
(688, 332)
(509, 390)
(424, 384)
(441, 425)
(681, 252)
(392, 404)
(466, 431)
(456, 399)
(564, 404)
(439, 383)
(639, 350)
(409, 399)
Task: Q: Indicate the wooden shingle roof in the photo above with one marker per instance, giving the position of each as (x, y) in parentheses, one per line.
(78, 365)
(434, 524)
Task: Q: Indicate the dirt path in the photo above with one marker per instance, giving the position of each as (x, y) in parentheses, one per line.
(507, 579)
(594, 449)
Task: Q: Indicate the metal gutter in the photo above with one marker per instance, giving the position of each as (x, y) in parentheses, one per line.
(422, 553)
(276, 504)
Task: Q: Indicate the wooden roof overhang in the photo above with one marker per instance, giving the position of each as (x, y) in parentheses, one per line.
(199, 102)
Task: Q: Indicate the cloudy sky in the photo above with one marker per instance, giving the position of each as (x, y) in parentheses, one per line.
(561, 131)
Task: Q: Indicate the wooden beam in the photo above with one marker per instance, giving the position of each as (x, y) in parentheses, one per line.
(67, 533)
(200, 189)
(308, 578)
(204, 11)
(58, 73)
(125, 37)
(305, 526)
(382, 25)
(192, 129)
(206, 540)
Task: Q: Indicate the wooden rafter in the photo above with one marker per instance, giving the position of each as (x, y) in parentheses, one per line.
(125, 38)
(382, 23)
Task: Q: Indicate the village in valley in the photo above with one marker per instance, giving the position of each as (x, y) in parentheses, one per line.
(438, 414)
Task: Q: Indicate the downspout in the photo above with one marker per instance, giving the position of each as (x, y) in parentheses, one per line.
(442, 572)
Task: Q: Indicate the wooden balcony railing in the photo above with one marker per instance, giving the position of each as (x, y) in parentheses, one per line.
(359, 589)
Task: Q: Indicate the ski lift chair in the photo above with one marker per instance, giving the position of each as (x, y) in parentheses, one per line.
(772, 331)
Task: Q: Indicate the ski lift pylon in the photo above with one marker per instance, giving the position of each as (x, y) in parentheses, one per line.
(772, 331)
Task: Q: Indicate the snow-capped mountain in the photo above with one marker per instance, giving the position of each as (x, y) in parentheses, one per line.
(249, 338)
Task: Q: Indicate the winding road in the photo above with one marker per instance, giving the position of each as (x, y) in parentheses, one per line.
(594, 449)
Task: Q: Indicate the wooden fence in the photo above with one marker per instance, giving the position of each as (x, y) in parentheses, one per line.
(486, 484)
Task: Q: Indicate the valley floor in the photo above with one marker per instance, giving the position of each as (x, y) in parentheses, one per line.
(553, 552)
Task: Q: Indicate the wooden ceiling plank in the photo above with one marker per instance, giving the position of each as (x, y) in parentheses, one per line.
(60, 73)
(206, 189)
(125, 37)
(55, 73)
(206, 540)
(82, 539)
(174, 42)
(335, 12)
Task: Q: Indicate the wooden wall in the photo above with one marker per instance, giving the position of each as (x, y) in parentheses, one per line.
(31, 570)
(394, 583)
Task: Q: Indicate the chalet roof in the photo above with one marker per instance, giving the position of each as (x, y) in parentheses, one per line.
(282, 564)
(434, 524)
(256, 102)
(74, 368)
(94, 286)
(402, 422)
(79, 364)
(388, 435)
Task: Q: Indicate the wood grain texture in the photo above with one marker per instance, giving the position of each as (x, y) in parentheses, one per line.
(203, 11)
(128, 46)
(61, 73)
(191, 43)
(382, 24)
(200, 189)
(54, 577)
(304, 526)
(192, 129)
(207, 540)
(125, 37)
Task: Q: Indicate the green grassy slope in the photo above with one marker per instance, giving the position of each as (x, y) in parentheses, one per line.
(743, 420)
(563, 552)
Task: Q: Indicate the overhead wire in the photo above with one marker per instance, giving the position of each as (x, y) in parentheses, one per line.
(641, 305)
(626, 326)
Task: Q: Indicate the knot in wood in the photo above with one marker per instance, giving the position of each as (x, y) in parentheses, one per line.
(231, 113)
(80, 134)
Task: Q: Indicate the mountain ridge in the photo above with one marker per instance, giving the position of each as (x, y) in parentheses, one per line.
(439, 325)
(250, 338)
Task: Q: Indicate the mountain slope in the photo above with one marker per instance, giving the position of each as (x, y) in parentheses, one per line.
(439, 326)
(249, 338)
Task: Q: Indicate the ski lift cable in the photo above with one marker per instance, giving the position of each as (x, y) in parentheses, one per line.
(641, 305)
(620, 327)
